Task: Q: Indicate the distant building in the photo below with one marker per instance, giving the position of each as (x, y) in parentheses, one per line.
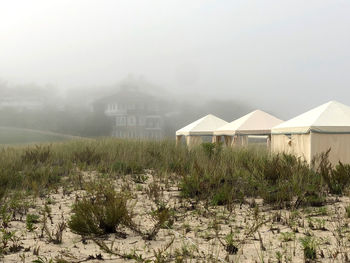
(21, 104)
(28, 97)
(135, 114)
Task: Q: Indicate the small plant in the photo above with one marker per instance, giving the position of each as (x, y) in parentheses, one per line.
(43, 260)
(287, 236)
(31, 219)
(323, 211)
(231, 245)
(347, 211)
(132, 168)
(139, 178)
(279, 257)
(56, 235)
(154, 192)
(164, 218)
(317, 224)
(309, 246)
(186, 227)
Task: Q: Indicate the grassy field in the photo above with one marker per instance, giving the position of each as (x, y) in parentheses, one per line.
(150, 201)
(24, 136)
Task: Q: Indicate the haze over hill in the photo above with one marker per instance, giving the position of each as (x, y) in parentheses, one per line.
(200, 56)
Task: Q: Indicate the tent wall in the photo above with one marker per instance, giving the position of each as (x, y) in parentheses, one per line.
(216, 139)
(192, 140)
(178, 139)
(297, 144)
(228, 140)
(240, 140)
(280, 144)
(339, 144)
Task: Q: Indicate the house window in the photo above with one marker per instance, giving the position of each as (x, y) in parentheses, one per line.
(153, 122)
(131, 106)
(131, 120)
(120, 121)
(142, 121)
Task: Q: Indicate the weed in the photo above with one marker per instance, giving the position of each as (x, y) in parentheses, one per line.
(31, 220)
(287, 236)
(309, 246)
(100, 212)
(130, 168)
(279, 257)
(231, 245)
(87, 156)
(317, 224)
(43, 260)
(347, 211)
(164, 218)
(37, 155)
(337, 179)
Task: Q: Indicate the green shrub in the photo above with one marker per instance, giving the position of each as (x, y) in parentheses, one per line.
(347, 211)
(237, 174)
(37, 155)
(88, 156)
(127, 168)
(102, 211)
(337, 179)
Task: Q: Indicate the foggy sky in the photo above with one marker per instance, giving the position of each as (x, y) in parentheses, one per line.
(282, 56)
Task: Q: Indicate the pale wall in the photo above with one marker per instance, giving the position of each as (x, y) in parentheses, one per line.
(339, 144)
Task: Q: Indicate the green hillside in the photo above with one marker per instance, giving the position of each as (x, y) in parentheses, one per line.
(10, 135)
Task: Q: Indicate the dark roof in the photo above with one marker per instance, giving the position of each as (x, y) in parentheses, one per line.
(127, 94)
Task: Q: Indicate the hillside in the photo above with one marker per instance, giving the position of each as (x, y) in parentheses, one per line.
(10, 135)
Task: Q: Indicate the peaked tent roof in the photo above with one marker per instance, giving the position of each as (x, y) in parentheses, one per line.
(203, 126)
(255, 123)
(331, 117)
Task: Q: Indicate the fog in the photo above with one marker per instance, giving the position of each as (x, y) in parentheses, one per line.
(284, 57)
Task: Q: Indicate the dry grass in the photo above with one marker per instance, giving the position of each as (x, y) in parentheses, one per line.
(153, 202)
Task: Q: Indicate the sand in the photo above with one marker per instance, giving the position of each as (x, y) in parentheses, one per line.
(198, 234)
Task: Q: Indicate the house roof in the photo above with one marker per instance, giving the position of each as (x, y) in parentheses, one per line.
(203, 126)
(126, 95)
(255, 123)
(331, 117)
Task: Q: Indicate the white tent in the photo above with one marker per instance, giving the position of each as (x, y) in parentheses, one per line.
(255, 123)
(202, 127)
(314, 132)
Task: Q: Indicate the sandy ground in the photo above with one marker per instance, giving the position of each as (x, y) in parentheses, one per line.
(198, 234)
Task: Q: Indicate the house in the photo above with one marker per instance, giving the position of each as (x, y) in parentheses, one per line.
(28, 97)
(135, 114)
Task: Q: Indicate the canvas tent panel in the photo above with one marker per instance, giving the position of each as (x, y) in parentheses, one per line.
(254, 123)
(339, 144)
(280, 144)
(228, 140)
(192, 141)
(202, 127)
(331, 117)
(240, 140)
(301, 146)
(297, 144)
